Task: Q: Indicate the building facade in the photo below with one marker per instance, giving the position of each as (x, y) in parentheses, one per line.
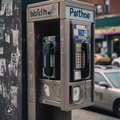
(107, 29)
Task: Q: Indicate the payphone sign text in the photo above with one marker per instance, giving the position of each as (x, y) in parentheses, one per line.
(79, 14)
(43, 11)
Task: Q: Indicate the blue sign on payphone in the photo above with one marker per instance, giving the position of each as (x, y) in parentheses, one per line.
(79, 14)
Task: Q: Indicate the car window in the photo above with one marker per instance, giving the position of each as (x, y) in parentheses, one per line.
(114, 78)
(105, 56)
(99, 78)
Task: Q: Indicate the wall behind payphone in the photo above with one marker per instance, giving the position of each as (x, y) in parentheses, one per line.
(10, 60)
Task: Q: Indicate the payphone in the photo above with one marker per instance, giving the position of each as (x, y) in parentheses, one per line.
(60, 35)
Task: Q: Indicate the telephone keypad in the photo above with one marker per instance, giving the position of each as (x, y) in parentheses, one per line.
(78, 58)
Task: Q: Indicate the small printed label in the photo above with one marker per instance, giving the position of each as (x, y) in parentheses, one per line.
(78, 41)
(47, 90)
(76, 93)
(78, 45)
(75, 32)
(77, 75)
(80, 27)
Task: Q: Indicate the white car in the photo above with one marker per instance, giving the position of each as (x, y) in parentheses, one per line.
(107, 88)
(116, 62)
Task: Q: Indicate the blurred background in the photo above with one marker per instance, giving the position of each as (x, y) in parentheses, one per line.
(107, 63)
(107, 29)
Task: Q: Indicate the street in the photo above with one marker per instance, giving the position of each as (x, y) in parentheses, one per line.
(92, 114)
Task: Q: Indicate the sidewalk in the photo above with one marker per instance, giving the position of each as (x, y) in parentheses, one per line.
(81, 114)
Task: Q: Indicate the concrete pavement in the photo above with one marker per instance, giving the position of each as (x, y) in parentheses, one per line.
(82, 114)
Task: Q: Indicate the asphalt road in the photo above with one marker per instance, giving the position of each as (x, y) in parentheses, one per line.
(92, 114)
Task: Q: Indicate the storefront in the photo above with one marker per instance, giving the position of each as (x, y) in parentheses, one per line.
(107, 35)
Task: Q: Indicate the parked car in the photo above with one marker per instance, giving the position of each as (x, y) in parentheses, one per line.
(102, 59)
(107, 88)
(116, 62)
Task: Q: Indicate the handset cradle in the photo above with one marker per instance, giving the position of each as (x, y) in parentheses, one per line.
(51, 55)
(48, 69)
(86, 49)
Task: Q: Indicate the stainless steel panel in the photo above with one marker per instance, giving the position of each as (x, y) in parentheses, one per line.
(31, 62)
(49, 89)
(31, 111)
(49, 102)
(65, 61)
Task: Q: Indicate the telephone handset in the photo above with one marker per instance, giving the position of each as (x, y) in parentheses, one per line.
(48, 70)
(86, 52)
(51, 55)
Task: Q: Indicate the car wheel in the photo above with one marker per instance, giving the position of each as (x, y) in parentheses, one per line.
(116, 64)
(117, 109)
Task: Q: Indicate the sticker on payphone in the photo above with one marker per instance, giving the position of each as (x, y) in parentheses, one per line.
(80, 30)
(77, 75)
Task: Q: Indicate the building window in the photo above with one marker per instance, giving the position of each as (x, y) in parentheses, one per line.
(98, 8)
(107, 6)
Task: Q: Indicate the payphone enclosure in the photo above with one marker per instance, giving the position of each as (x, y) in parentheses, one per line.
(60, 47)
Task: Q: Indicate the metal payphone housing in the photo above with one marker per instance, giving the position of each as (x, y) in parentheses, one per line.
(65, 21)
